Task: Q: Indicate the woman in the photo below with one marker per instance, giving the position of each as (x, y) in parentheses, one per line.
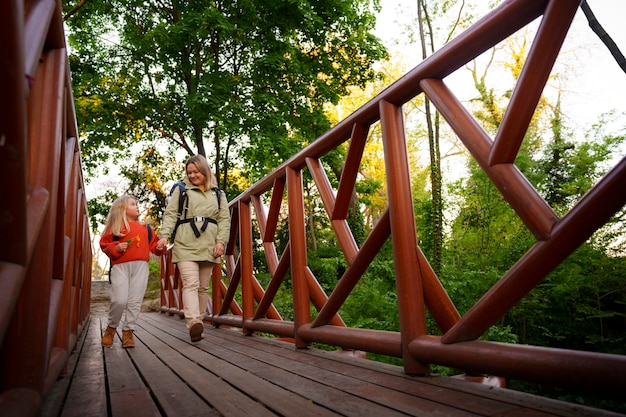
(199, 237)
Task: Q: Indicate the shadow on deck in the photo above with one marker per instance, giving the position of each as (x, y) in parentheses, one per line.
(229, 374)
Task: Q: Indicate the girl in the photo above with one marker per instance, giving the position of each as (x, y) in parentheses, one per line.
(200, 237)
(127, 242)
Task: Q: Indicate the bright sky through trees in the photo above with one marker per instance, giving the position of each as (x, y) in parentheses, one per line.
(595, 83)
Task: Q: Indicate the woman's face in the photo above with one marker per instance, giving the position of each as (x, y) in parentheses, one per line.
(196, 177)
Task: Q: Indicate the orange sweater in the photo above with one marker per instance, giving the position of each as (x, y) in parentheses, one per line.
(139, 248)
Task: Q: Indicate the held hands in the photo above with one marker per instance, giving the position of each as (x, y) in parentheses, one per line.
(218, 250)
(161, 244)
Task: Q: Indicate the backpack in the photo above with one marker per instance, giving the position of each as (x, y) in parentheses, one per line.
(183, 205)
(116, 238)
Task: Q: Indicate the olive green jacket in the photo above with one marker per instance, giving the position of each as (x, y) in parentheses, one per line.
(188, 247)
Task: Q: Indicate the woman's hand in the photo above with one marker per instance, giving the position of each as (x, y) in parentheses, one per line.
(218, 250)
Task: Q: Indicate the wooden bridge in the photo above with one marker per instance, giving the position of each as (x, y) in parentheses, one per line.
(50, 340)
(230, 374)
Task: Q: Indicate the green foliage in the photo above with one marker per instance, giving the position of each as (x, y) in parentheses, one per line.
(500, 334)
(145, 175)
(356, 222)
(425, 226)
(486, 234)
(373, 302)
(250, 78)
(578, 306)
(98, 209)
(567, 170)
(466, 284)
(327, 265)
(372, 306)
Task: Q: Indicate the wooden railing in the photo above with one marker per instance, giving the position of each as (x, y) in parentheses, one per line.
(418, 287)
(45, 262)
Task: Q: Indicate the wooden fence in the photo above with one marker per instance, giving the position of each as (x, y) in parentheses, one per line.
(45, 262)
(418, 287)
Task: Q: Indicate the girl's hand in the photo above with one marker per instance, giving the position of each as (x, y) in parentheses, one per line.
(121, 247)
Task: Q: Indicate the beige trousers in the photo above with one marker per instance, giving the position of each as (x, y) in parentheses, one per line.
(196, 277)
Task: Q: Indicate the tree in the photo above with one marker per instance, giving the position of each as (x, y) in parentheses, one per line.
(426, 35)
(245, 78)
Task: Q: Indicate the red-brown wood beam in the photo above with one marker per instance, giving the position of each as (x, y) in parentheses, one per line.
(403, 234)
(588, 372)
(66, 317)
(350, 171)
(319, 298)
(324, 188)
(234, 232)
(546, 46)
(260, 214)
(340, 226)
(36, 28)
(375, 341)
(217, 292)
(13, 132)
(436, 298)
(297, 237)
(514, 187)
(274, 212)
(277, 327)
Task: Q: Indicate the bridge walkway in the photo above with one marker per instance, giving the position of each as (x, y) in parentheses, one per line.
(229, 374)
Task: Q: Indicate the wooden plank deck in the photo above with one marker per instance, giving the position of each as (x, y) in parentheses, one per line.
(229, 374)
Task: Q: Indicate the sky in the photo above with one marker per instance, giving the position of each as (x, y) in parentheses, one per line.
(595, 85)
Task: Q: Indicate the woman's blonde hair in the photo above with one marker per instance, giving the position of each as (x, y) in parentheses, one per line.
(210, 181)
(117, 220)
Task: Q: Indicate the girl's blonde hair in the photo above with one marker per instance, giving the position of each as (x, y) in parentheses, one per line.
(117, 220)
(210, 181)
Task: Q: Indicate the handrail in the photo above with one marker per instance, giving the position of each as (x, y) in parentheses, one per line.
(45, 265)
(417, 283)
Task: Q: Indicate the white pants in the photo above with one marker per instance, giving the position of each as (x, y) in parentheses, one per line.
(195, 277)
(128, 288)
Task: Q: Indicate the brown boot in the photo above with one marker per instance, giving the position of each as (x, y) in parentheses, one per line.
(195, 332)
(107, 337)
(127, 339)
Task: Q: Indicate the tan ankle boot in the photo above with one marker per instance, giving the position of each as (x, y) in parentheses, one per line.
(107, 337)
(127, 339)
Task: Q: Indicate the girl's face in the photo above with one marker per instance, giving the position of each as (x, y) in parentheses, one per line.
(132, 210)
(196, 177)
